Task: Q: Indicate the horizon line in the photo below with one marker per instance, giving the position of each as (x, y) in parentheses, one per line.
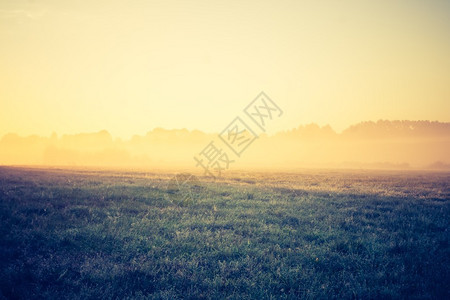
(211, 133)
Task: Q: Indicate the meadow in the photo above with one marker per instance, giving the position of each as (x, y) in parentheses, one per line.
(310, 234)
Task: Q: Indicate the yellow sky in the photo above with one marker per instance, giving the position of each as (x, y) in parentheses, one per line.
(130, 66)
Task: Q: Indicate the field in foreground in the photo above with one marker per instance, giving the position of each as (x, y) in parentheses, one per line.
(90, 234)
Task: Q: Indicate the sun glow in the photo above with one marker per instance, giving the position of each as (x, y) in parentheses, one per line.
(127, 68)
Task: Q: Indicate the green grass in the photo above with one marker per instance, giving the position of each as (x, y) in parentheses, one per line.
(116, 235)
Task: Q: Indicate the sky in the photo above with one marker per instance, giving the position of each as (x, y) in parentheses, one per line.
(132, 66)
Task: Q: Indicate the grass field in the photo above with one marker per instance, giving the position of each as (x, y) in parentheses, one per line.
(87, 234)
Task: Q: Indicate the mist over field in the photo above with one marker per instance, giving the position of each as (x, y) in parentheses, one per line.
(372, 145)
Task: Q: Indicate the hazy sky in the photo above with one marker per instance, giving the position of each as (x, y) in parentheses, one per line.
(131, 66)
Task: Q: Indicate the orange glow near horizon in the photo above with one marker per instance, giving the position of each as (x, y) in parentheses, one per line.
(130, 67)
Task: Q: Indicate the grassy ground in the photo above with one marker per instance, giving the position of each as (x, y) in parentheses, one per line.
(115, 235)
